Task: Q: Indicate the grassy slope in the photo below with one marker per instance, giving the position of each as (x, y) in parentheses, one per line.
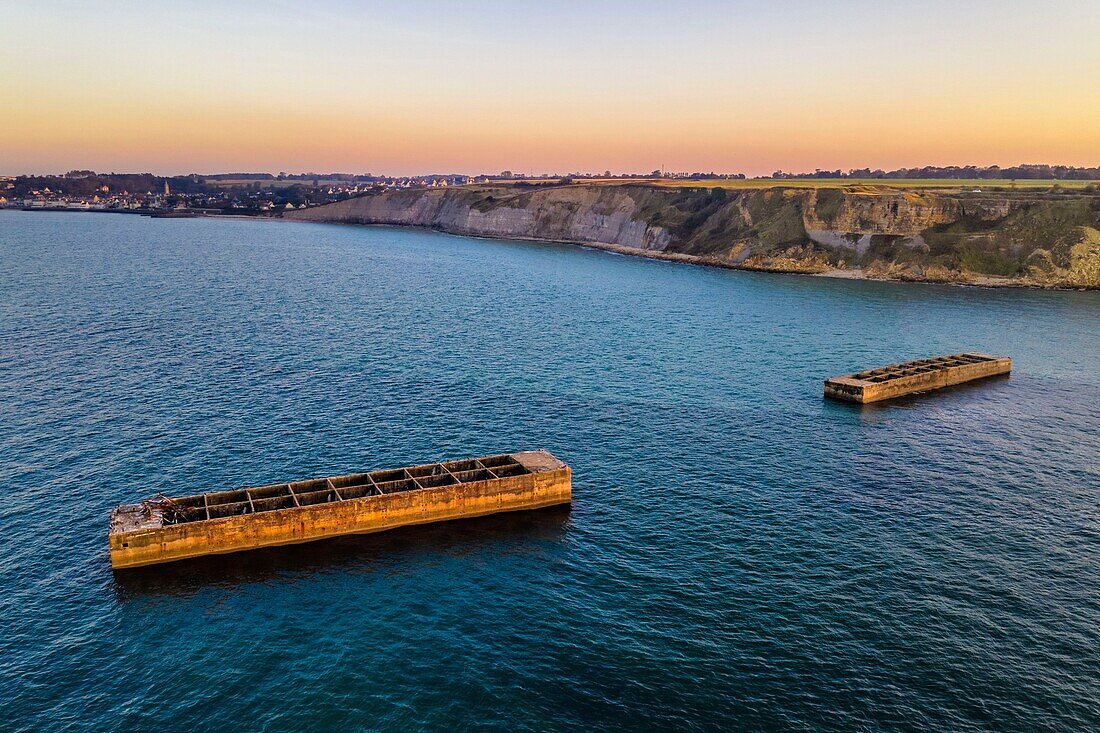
(715, 221)
(766, 226)
(1042, 236)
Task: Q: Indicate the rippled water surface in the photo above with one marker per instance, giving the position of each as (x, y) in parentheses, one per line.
(740, 554)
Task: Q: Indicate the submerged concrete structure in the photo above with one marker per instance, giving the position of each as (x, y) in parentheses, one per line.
(164, 529)
(921, 375)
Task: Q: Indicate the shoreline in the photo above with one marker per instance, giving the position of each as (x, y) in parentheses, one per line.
(983, 281)
(979, 281)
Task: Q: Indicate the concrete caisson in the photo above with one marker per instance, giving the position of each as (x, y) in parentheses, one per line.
(921, 375)
(164, 529)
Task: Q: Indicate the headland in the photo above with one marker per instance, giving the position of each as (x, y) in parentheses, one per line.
(966, 235)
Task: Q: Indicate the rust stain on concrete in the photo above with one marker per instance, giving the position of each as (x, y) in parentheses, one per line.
(164, 529)
(921, 375)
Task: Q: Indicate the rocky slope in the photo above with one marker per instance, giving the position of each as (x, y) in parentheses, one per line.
(1009, 238)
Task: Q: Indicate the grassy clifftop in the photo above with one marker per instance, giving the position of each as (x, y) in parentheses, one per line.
(1022, 237)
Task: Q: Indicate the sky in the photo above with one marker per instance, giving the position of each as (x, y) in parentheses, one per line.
(555, 86)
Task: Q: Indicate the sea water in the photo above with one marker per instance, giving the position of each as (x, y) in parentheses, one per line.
(740, 554)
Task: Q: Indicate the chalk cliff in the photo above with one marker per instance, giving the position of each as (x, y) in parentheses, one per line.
(1006, 237)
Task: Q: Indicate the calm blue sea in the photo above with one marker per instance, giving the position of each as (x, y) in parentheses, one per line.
(740, 554)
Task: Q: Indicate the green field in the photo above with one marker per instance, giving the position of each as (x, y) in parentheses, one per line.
(944, 184)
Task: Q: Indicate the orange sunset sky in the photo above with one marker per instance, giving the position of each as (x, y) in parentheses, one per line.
(421, 87)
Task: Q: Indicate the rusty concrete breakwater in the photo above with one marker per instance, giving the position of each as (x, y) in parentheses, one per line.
(165, 529)
(920, 375)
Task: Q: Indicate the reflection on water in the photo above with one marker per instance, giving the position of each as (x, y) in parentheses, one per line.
(508, 533)
(958, 392)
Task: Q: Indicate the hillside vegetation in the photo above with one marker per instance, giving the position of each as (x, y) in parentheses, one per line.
(1011, 237)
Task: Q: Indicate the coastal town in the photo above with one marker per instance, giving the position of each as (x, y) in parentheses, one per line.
(252, 194)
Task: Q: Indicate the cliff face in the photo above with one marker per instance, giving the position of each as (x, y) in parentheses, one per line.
(994, 238)
(601, 214)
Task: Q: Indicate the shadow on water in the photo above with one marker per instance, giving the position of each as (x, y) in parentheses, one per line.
(500, 534)
(966, 389)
